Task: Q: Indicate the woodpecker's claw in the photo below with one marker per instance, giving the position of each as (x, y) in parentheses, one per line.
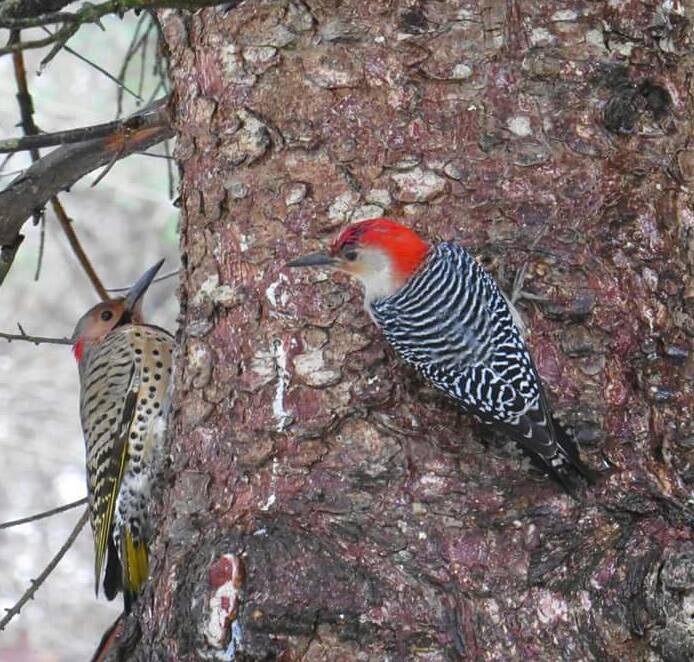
(313, 260)
(140, 287)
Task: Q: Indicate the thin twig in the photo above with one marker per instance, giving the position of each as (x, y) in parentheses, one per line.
(42, 246)
(156, 280)
(161, 63)
(11, 173)
(5, 161)
(19, 46)
(26, 112)
(37, 340)
(157, 156)
(160, 86)
(44, 514)
(26, 104)
(98, 68)
(62, 36)
(143, 59)
(66, 225)
(26, 107)
(132, 48)
(114, 159)
(36, 583)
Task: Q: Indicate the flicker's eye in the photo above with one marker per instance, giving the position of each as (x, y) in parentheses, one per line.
(349, 253)
(106, 315)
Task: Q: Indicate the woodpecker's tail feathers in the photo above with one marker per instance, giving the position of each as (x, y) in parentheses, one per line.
(570, 450)
(113, 573)
(135, 560)
(565, 464)
(549, 447)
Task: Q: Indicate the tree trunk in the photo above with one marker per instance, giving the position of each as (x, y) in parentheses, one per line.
(322, 502)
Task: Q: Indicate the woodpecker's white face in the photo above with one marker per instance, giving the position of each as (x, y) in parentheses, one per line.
(381, 253)
(373, 267)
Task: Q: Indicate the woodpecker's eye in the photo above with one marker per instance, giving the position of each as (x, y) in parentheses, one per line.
(349, 253)
(106, 315)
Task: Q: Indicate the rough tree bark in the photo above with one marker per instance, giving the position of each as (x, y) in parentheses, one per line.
(373, 521)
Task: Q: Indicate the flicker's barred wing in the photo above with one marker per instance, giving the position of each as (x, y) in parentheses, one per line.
(109, 385)
(125, 389)
(452, 323)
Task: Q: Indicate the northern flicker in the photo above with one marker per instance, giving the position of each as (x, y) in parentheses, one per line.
(125, 381)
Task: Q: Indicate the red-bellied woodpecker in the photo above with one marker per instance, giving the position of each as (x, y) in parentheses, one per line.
(445, 316)
(125, 377)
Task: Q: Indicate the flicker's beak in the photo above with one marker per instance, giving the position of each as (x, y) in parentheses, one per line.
(138, 289)
(314, 260)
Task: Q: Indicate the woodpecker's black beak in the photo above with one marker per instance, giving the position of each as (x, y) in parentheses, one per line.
(138, 289)
(314, 260)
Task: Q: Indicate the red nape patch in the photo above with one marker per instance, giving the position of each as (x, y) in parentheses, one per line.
(78, 349)
(406, 248)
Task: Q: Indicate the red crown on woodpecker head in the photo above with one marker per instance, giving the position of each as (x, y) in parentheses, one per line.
(404, 246)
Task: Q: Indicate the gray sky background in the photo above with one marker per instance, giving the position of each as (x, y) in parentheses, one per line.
(125, 224)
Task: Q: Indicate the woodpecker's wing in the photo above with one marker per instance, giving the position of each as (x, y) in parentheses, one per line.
(498, 403)
(452, 323)
(110, 383)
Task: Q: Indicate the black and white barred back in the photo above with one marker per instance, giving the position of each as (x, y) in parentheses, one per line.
(452, 323)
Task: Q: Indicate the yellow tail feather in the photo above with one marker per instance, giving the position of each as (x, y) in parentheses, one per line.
(135, 563)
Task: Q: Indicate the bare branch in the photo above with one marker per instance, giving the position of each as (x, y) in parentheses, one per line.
(23, 23)
(87, 13)
(17, 46)
(66, 225)
(26, 112)
(44, 514)
(132, 48)
(26, 107)
(37, 340)
(64, 166)
(11, 145)
(26, 104)
(27, 8)
(36, 583)
(7, 254)
(158, 156)
(42, 246)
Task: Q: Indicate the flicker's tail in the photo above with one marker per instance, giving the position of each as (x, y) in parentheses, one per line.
(113, 575)
(135, 560)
